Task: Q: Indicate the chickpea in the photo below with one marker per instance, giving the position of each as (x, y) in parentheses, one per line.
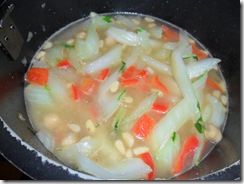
(212, 133)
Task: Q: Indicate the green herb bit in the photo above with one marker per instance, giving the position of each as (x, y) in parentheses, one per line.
(199, 107)
(122, 66)
(140, 29)
(107, 19)
(68, 46)
(119, 117)
(121, 94)
(199, 126)
(185, 57)
(173, 136)
(47, 88)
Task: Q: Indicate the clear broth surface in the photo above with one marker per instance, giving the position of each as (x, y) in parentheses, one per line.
(77, 113)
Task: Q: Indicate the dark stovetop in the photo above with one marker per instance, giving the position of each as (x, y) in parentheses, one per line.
(10, 172)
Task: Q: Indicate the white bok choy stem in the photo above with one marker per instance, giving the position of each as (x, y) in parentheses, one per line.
(195, 69)
(38, 95)
(86, 49)
(105, 61)
(76, 154)
(175, 118)
(218, 111)
(144, 106)
(198, 152)
(74, 60)
(182, 79)
(169, 124)
(105, 86)
(112, 105)
(156, 64)
(101, 145)
(46, 139)
(123, 36)
(167, 156)
(99, 22)
(127, 22)
(199, 85)
(144, 40)
(57, 89)
(53, 55)
(131, 168)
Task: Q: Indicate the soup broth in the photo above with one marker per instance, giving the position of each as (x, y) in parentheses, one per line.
(125, 96)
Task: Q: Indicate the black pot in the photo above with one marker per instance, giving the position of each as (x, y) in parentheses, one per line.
(216, 24)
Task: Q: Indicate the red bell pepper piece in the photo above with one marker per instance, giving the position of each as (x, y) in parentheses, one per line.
(64, 64)
(103, 74)
(159, 107)
(212, 84)
(147, 158)
(143, 126)
(75, 92)
(189, 146)
(141, 73)
(129, 72)
(129, 82)
(169, 35)
(198, 52)
(88, 86)
(37, 76)
(156, 83)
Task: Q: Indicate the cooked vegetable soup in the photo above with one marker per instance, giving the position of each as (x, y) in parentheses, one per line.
(126, 96)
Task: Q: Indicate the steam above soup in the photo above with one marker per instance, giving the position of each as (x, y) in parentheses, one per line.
(123, 96)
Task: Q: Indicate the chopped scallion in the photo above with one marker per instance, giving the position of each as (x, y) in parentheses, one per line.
(121, 94)
(199, 126)
(122, 66)
(191, 56)
(47, 88)
(140, 29)
(68, 46)
(173, 136)
(119, 117)
(107, 19)
(198, 106)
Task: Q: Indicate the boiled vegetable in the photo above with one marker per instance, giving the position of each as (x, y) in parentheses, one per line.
(144, 40)
(147, 158)
(110, 58)
(123, 36)
(103, 74)
(64, 64)
(37, 94)
(168, 154)
(37, 76)
(156, 83)
(143, 126)
(144, 106)
(156, 64)
(169, 35)
(198, 52)
(189, 146)
(133, 168)
(195, 69)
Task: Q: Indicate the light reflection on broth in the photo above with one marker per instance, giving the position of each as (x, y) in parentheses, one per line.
(111, 96)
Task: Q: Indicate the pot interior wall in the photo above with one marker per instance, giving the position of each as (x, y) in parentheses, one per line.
(216, 24)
